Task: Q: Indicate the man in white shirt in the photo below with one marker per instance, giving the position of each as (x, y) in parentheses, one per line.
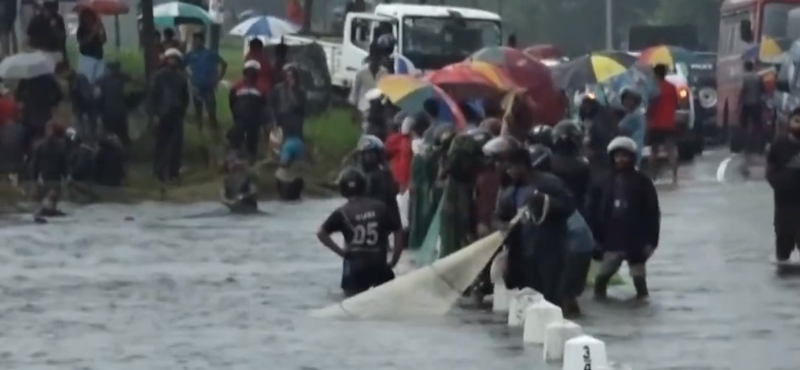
(366, 80)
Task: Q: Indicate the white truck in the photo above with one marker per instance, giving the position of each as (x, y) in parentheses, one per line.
(428, 36)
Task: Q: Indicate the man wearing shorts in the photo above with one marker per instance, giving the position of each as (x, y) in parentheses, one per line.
(661, 122)
(206, 68)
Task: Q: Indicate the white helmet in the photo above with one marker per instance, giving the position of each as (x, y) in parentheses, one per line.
(622, 143)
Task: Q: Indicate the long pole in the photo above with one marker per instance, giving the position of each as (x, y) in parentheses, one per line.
(609, 28)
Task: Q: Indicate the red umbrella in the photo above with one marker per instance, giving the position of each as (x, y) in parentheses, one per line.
(533, 76)
(103, 7)
(462, 82)
(543, 51)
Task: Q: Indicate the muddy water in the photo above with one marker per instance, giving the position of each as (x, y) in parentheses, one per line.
(186, 288)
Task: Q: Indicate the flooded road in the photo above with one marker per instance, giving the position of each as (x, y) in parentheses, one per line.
(182, 288)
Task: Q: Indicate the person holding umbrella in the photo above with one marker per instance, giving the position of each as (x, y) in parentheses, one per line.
(47, 32)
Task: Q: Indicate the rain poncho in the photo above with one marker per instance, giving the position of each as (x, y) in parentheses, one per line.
(423, 198)
(461, 162)
(634, 126)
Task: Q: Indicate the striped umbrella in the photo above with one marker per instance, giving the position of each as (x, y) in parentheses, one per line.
(410, 93)
(265, 26)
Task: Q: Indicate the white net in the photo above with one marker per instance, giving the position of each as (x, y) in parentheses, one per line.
(429, 291)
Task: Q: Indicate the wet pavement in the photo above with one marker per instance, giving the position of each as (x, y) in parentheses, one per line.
(184, 288)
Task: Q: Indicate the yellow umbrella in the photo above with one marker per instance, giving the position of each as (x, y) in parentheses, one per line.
(410, 93)
(398, 88)
(605, 67)
(494, 74)
(769, 50)
(666, 55)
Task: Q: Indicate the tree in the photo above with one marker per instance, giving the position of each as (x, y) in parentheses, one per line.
(148, 31)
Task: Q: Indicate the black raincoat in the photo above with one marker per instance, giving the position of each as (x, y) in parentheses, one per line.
(536, 253)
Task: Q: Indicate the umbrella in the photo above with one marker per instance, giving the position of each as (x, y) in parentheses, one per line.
(247, 14)
(495, 74)
(543, 51)
(410, 93)
(768, 50)
(638, 77)
(165, 14)
(589, 69)
(26, 65)
(530, 74)
(667, 55)
(103, 7)
(106, 7)
(463, 83)
(266, 26)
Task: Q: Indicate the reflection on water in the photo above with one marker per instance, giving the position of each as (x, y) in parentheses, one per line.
(190, 287)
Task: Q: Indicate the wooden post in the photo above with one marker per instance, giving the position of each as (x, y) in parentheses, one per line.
(148, 31)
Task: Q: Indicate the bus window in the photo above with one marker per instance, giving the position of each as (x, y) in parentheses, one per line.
(739, 45)
(726, 35)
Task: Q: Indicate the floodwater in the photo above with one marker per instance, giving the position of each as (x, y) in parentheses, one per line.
(184, 288)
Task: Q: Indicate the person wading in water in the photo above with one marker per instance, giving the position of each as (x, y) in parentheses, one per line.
(365, 225)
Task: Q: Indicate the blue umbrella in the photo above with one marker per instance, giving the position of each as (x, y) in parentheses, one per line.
(265, 26)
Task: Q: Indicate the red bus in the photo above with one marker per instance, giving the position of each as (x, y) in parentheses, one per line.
(743, 23)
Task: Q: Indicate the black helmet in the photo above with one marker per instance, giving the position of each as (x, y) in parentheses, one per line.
(501, 146)
(567, 135)
(541, 134)
(443, 136)
(352, 182)
(540, 157)
(479, 135)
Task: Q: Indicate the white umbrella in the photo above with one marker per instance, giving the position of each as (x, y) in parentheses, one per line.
(267, 26)
(27, 65)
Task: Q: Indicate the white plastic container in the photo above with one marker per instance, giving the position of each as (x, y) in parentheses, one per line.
(519, 304)
(585, 352)
(537, 317)
(556, 336)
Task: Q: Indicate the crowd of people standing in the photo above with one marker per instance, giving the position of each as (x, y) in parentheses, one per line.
(577, 184)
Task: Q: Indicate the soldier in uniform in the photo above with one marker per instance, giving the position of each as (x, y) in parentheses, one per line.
(365, 224)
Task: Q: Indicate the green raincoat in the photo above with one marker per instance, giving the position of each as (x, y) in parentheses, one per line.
(461, 165)
(423, 200)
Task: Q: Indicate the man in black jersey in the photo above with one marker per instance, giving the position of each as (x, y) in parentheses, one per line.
(365, 224)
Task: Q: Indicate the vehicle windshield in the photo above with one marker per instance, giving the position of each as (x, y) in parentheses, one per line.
(681, 69)
(434, 42)
(781, 22)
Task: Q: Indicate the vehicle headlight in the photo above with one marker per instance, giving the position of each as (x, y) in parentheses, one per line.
(707, 97)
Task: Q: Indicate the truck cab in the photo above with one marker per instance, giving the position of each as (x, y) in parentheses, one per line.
(429, 37)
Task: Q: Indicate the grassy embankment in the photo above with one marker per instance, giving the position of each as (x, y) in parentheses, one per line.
(329, 138)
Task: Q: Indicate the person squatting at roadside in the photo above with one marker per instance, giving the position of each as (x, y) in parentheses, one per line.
(536, 255)
(167, 101)
(365, 225)
(783, 175)
(625, 218)
(248, 103)
(239, 192)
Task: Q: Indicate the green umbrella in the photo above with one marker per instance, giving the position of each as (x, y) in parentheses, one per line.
(165, 15)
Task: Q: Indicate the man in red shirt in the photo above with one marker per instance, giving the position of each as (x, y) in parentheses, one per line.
(661, 122)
